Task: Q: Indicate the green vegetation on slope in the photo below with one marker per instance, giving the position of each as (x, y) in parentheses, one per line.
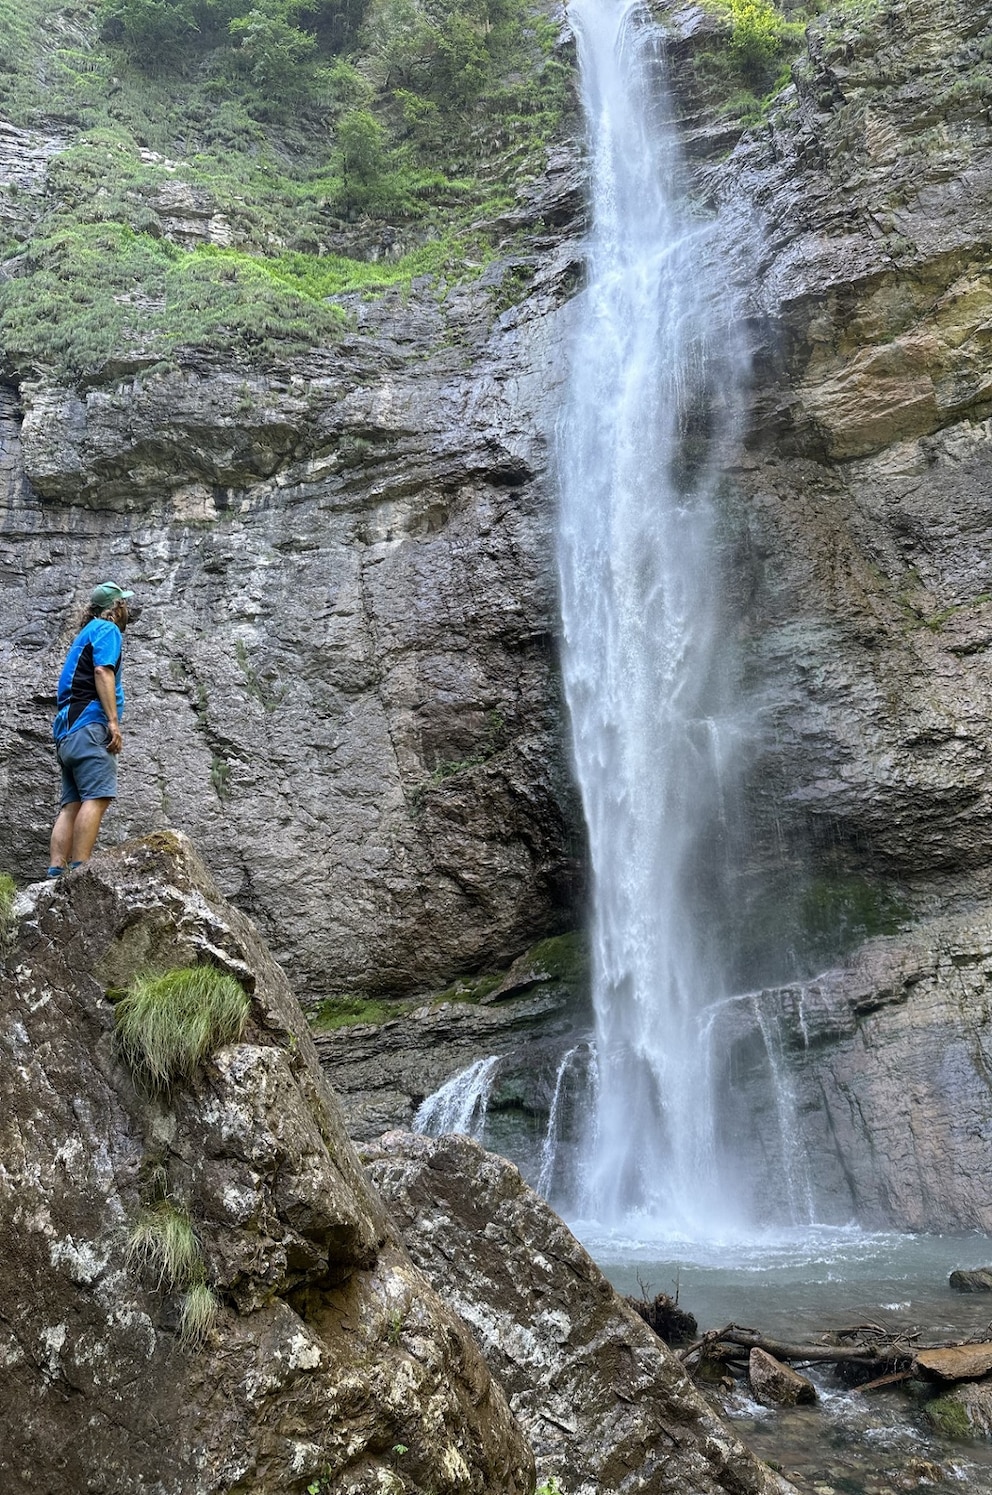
(747, 64)
(285, 133)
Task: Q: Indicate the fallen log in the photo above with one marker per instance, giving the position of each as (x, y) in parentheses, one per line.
(890, 1380)
(721, 1343)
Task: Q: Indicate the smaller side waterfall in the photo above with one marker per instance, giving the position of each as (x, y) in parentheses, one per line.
(573, 1103)
(460, 1105)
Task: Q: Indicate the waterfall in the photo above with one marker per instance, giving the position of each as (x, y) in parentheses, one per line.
(576, 1073)
(461, 1103)
(658, 731)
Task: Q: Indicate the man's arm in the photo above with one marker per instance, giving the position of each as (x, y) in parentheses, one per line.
(106, 688)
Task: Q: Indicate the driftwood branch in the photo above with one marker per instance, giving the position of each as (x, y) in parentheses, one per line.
(735, 1343)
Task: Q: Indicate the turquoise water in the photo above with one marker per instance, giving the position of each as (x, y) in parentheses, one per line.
(797, 1285)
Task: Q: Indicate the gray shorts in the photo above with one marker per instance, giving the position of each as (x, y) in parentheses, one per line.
(89, 771)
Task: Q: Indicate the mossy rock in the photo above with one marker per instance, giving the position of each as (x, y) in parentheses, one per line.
(949, 1416)
(565, 957)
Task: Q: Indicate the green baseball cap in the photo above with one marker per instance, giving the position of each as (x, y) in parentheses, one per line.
(106, 594)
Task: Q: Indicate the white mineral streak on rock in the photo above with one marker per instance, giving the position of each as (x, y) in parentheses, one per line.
(85, 1261)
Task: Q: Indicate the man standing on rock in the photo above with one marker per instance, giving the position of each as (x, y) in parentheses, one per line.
(87, 726)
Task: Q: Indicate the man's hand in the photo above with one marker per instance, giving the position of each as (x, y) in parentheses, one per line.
(114, 739)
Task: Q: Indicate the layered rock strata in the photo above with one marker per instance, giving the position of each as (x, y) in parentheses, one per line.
(330, 1360)
(865, 201)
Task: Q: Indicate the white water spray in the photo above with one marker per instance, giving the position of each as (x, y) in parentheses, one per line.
(657, 737)
(461, 1103)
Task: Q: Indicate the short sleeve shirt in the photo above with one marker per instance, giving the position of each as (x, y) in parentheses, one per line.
(100, 643)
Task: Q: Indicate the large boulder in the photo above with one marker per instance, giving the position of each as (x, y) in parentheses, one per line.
(326, 1360)
(606, 1405)
(956, 1362)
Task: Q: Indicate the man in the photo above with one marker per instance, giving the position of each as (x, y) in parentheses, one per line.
(87, 726)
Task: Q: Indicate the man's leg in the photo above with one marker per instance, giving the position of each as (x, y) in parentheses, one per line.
(87, 827)
(61, 843)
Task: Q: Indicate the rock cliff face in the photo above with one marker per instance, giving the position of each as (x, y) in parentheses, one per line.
(330, 1362)
(866, 199)
(344, 684)
(886, 1067)
(344, 681)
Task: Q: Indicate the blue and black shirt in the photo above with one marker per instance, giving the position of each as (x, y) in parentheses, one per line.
(100, 643)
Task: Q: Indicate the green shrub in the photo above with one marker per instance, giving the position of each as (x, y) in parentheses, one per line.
(757, 33)
(167, 1024)
(273, 53)
(760, 43)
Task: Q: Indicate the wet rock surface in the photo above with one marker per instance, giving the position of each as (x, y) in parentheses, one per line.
(867, 199)
(888, 1063)
(775, 1384)
(330, 1359)
(965, 1411)
(605, 1404)
(383, 1072)
(978, 1280)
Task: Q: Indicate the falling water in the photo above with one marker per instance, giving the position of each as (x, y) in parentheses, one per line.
(575, 1072)
(460, 1105)
(657, 732)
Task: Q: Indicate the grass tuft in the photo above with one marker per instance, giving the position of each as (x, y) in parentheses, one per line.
(164, 1240)
(197, 1314)
(167, 1024)
(8, 892)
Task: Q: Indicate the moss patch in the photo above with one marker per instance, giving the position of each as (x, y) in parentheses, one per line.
(949, 1416)
(565, 957)
(348, 1011)
(792, 925)
(469, 989)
